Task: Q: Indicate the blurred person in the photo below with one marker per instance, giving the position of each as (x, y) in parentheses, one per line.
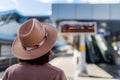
(32, 47)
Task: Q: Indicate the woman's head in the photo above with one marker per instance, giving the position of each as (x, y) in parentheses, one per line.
(34, 40)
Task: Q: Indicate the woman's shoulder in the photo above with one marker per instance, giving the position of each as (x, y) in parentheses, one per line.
(59, 73)
(12, 67)
(54, 68)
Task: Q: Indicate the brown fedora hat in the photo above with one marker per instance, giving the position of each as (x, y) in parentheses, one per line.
(32, 33)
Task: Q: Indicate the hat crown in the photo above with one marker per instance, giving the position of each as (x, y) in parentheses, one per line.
(31, 33)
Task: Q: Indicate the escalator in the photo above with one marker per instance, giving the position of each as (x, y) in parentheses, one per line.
(98, 50)
(93, 54)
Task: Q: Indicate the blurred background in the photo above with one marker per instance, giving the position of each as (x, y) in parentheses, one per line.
(88, 43)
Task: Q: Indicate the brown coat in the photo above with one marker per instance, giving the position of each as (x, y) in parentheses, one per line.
(24, 71)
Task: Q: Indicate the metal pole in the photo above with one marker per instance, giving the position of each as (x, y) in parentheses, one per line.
(82, 58)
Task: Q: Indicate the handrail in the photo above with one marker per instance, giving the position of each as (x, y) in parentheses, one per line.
(90, 48)
(106, 51)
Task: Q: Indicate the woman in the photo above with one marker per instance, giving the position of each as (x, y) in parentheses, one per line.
(33, 47)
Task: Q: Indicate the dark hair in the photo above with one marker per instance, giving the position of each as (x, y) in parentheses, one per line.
(38, 61)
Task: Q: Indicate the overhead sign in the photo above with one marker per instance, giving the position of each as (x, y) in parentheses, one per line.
(78, 27)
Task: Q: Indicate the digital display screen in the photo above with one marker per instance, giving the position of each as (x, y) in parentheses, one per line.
(78, 28)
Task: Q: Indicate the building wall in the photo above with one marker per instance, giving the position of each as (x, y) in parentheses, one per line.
(86, 11)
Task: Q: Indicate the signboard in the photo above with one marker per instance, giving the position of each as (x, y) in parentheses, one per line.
(77, 27)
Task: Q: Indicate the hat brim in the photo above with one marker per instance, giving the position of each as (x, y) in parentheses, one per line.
(19, 52)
